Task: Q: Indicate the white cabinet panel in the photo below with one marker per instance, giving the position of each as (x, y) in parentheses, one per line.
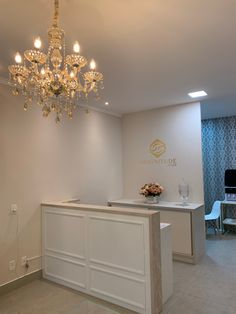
(67, 270)
(114, 285)
(125, 236)
(181, 230)
(62, 231)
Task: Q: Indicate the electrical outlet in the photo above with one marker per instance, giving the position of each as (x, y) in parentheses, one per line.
(12, 265)
(23, 260)
(13, 209)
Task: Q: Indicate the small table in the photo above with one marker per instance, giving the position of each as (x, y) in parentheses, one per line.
(228, 215)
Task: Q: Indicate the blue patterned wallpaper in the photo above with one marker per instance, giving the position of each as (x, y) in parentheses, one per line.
(219, 154)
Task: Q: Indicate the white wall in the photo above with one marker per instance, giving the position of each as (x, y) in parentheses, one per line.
(40, 160)
(179, 127)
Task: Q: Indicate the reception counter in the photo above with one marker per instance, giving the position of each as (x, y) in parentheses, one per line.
(187, 222)
(112, 253)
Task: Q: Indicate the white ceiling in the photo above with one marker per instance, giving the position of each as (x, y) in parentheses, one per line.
(152, 52)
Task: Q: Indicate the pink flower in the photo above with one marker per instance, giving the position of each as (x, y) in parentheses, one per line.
(151, 189)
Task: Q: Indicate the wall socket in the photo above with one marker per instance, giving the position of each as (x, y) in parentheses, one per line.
(12, 265)
(13, 209)
(23, 260)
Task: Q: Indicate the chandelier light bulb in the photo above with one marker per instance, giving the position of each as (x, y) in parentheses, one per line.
(72, 74)
(37, 43)
(92, 64)
(42, 71)
(18, 58)
(76, 47)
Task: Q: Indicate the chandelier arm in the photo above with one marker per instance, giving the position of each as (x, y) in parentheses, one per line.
(56, 13)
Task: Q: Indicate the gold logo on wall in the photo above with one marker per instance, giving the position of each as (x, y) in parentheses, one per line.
(157, 148)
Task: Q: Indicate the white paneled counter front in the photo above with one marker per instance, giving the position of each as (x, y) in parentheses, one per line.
(187, 225)
(109, 252)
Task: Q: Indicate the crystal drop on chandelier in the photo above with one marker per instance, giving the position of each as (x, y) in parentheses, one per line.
(55, 80)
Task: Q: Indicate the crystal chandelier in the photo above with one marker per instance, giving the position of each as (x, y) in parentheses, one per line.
(54, 80)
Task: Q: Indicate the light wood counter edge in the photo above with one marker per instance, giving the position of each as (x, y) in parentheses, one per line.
(143, 212)
(156, 206)
(155, 263)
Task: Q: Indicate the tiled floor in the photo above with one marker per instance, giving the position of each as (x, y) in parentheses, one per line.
(210, 286)
(206, 288)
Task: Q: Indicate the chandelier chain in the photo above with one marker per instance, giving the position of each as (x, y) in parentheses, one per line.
(56, 13)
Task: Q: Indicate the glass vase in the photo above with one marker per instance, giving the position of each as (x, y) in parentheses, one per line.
(183, 193)
(151, 199)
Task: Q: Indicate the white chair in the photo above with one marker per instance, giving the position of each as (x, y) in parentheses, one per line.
(212, 219)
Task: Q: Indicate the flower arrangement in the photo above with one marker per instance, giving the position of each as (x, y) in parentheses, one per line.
(151, 189)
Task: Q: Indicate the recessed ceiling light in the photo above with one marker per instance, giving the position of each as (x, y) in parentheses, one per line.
(107, 103)
(200, 93)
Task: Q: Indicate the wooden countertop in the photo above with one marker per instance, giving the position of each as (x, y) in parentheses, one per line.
(140, 203)
(144, 212)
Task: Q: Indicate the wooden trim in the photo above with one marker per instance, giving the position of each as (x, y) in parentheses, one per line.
(142, 212)
(155, 263)
(190, 259)
(12, 285)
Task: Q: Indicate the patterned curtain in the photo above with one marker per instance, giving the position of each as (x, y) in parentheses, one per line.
(219, 154)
